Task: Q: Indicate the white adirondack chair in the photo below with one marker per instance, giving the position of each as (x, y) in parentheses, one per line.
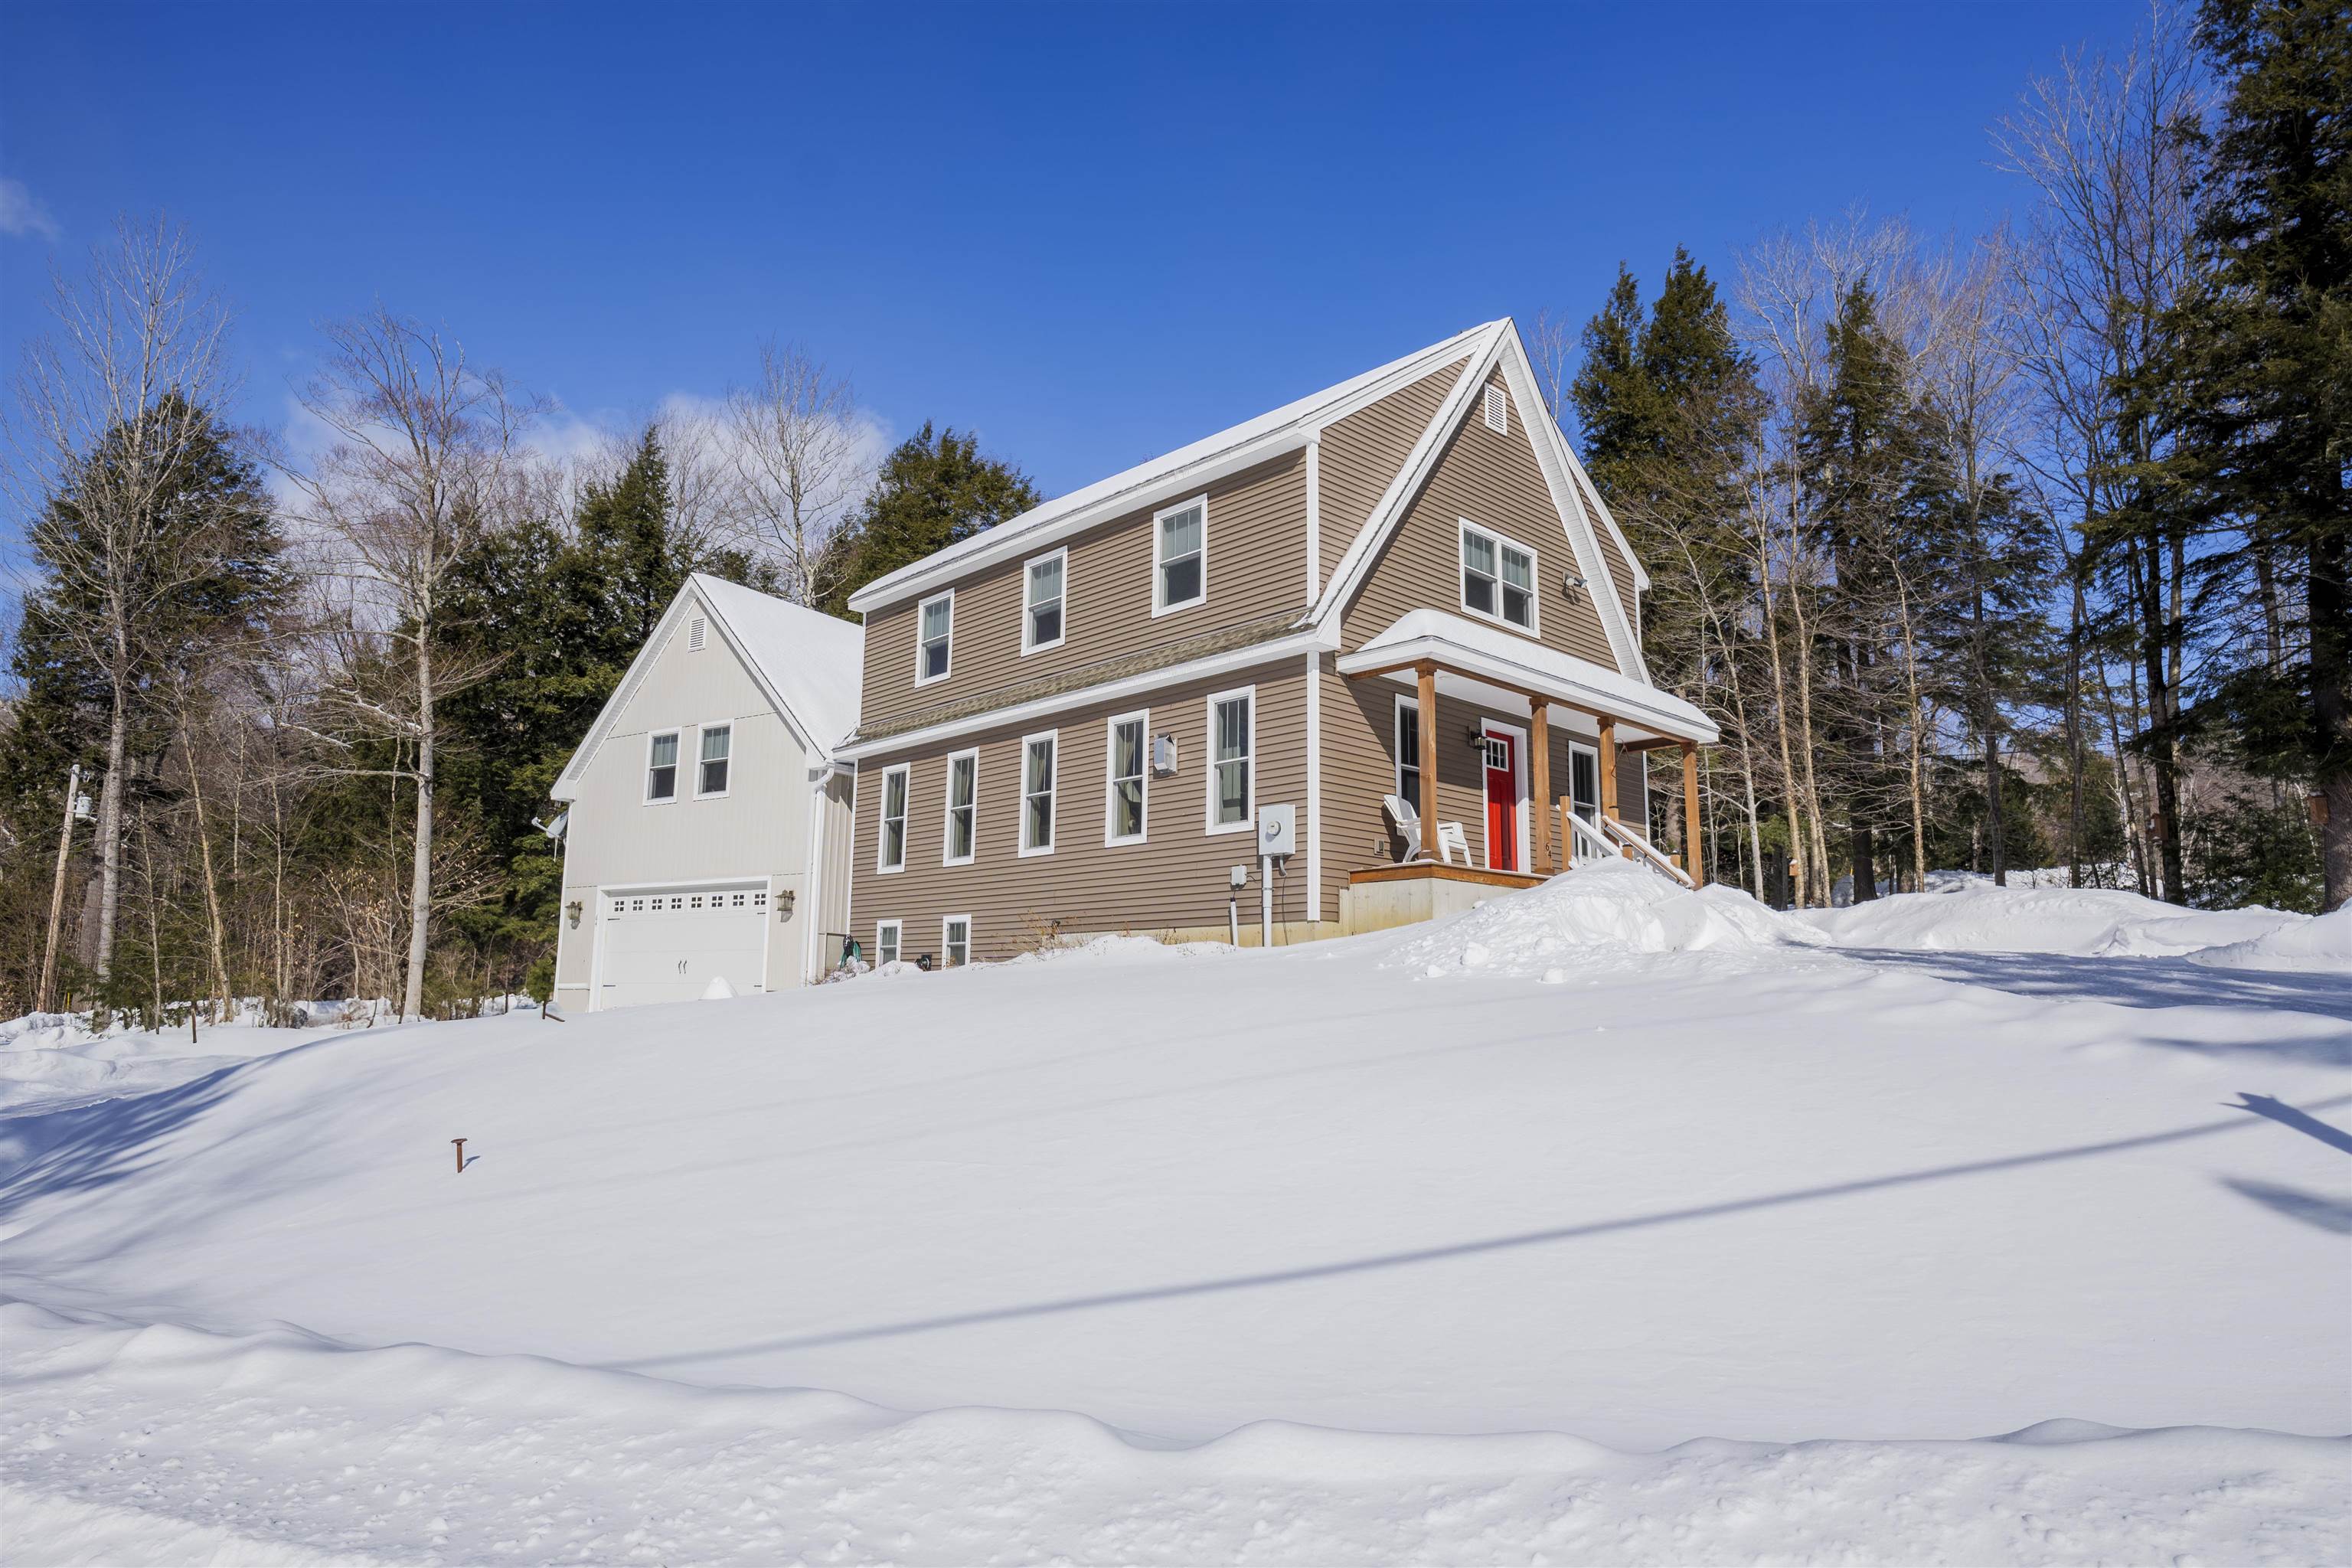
(1450, 839)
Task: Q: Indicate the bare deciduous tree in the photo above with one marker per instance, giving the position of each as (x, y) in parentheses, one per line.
(801, 461)
(424, 462)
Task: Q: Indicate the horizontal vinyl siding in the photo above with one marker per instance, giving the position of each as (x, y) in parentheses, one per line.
(1176, 878)
(1257, 565)
(1621, 570)
(1491, 479)
(1361, 453)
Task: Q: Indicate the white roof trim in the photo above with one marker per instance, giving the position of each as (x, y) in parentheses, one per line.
(1283, 429)
(567, 783)
(1553, 460)
(1109, 692)
(1469, 648)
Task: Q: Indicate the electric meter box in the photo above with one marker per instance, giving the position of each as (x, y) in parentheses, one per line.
(1278, 830)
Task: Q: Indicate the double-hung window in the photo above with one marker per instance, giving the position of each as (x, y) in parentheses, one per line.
(955, 941)
(718, 742)
(1123, 811)
(964, 809)
(1498, 578)
(1407, 752)
(890, 854)
(936, 636)
(661, 767)
(1038, 771)
(1233, 785)
(1042, 587)
(1180, 556)
(886, 942)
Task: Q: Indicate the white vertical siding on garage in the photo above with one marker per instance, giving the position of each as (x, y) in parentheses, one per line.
(760, 829)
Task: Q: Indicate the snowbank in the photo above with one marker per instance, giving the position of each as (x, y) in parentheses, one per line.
(161, 1445)
(2324, 945)
(51, 1060)
(1972, 916)
(1603, 911)
(1119, 948)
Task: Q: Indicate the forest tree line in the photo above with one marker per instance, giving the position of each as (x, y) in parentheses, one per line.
(2024, 548)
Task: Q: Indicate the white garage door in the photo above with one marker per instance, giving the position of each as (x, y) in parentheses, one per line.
(668, 945)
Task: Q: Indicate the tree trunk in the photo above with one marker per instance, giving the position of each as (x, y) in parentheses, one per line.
(110, 825)
(2331, 687)
(1993, 823)
(420, 884)
(212, 884)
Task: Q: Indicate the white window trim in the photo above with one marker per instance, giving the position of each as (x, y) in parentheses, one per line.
(1028, 647)
(1053, 793)
(1248, 824)
(945, 921)
(1405, 704)
(1534, 627)
(947, 808)
(1141, 717)
(728, 725)
(920, 607)
(1158, 608)
(1520, 773)
(882, 820)
(645, 783)
(897, 929)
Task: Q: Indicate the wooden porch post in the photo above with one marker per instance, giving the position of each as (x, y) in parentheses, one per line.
(1692, 836)
(1426, 674)
(1609, 769)
(1540, 742)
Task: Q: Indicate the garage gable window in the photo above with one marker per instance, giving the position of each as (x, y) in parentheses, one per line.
(661, 767)
(890, 854)
(886, 942)
(718, 741)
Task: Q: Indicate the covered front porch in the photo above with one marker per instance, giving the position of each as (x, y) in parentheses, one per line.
(1526, 696)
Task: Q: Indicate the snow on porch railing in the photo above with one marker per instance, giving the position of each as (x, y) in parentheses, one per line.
(1642, 850)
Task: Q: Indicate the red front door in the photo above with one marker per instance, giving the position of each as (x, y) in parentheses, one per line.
(1502, 803)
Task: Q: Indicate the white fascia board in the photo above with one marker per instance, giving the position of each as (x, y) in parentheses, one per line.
(1291, 645)
(1348, 576)
(1475, 663)
(1283, 429)
(567, 782)
(1552, 458)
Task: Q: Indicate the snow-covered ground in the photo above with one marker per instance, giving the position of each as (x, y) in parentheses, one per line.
(1137, 1255)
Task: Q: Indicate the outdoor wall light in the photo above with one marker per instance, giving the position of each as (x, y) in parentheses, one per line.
(572, 909)
(784, 905)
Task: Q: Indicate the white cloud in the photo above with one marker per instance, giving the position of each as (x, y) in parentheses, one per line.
(21, 214)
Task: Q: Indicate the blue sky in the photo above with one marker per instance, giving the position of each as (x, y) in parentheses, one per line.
(1090, 233)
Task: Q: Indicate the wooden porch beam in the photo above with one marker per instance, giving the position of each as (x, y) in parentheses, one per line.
(1425, 713)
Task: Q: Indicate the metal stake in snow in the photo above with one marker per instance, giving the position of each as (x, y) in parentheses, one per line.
(461, 1154)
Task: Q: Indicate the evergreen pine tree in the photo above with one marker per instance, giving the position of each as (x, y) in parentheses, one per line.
(934, 489)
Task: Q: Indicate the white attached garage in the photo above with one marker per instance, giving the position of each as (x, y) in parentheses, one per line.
(670, 944)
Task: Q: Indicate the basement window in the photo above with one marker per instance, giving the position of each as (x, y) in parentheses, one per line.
(886, 942)
(955, 941)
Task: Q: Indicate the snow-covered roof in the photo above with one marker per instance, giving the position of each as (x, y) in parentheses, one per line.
(1473, 648)
(1289, 424)
(809, 664)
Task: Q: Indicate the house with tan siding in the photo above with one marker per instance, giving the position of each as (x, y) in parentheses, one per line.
(1399, 602)
(706, 838)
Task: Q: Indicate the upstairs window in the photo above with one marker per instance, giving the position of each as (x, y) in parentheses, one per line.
(890, 854)
(963, 793)
(938, 630)
(717, 741)
(661, 767)
(1038, 771)
(1123, 823)
(1232, 767)
(1041, 602)
(1498, 578)
(1180, 556)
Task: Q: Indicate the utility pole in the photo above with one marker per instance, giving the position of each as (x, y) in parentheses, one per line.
(58, 891)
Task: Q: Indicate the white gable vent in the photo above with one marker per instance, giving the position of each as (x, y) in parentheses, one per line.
(1497, 419)
(696, 630)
